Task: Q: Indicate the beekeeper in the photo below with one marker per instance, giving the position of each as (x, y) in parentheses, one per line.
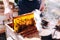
(26, 6)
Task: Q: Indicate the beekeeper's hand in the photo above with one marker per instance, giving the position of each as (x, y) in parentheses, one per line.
(8, 14)
(42, 6)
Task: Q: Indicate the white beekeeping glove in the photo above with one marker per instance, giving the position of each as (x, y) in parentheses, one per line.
(37, 19)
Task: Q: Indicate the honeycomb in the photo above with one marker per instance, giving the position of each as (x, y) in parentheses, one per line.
(24, 21)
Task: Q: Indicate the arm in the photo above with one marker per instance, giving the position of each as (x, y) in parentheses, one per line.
(6, 6)
(7, 11)
(42, 6)
(6, 3)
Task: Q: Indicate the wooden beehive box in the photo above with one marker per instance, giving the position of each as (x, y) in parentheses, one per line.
(23, 26)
